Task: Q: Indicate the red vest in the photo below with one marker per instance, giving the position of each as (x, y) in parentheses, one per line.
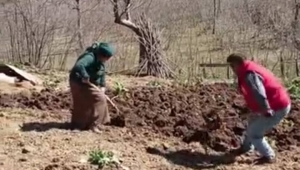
(277, 95)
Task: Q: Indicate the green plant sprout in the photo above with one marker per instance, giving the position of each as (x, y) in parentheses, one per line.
(293, 88)
(102, 158)
(119, 88)
(154, 83)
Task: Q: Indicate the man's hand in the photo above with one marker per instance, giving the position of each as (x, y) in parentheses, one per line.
(269, 113)
(86, 81)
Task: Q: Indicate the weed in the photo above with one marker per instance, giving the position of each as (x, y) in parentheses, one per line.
(119, 88)
(287, 124)
(293, 88)
(154, 83)
(102, 158)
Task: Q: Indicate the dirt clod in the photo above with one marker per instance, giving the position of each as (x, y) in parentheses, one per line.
(25, 150)
(118, 121)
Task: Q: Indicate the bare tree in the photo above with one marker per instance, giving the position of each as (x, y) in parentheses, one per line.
(150, 57)
(31, 32)
(79, 29)
(295, 25)
(217, 10)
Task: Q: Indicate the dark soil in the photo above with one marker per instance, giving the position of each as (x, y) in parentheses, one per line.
(214, 115)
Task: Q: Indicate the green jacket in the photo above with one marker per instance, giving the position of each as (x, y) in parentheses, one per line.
(88, 66)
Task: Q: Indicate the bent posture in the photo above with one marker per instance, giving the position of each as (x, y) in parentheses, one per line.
(266, 97)
(89, 103)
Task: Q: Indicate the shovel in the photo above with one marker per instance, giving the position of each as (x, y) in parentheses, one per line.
(118, 121)
(107, 98)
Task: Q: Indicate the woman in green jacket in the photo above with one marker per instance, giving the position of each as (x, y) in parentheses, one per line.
(89, 102)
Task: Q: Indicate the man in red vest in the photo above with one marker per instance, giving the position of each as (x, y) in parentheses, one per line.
(267, 99)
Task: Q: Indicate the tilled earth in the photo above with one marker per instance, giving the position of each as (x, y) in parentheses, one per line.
(214, 115)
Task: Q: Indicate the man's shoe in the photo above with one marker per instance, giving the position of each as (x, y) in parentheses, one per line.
(237, 152)
(265, 160)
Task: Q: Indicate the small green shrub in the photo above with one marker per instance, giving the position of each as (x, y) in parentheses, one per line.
(119, 88)
(102, 158)
(293, 88)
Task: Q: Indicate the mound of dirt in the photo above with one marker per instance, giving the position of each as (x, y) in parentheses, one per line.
(214, 115)
(45, 100)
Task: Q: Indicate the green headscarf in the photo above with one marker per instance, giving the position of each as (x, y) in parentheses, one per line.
(102, 48)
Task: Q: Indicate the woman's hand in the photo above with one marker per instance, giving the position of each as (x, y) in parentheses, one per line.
(102, 89)
(86, 81)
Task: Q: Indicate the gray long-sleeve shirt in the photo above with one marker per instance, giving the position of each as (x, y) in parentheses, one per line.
(254, 82)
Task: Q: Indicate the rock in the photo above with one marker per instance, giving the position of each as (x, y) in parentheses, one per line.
(22, 159)
(51, 167)
(124, 167)
(165, 146)
(55, 160)
(2, 114)
(26, 150)
(83, 159)
(21, 144)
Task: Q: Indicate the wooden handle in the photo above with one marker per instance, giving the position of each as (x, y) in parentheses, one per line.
(107, 98)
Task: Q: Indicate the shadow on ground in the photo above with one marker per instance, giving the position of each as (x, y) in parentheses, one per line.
(42, 127)
(194, 160)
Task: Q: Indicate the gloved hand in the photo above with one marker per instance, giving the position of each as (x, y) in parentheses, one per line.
(269, 113)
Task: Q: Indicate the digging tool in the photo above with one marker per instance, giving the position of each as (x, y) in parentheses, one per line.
(107, 98)
(113, 104)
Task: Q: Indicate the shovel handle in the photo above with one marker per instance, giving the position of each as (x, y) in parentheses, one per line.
(107, 98)
(112, 103)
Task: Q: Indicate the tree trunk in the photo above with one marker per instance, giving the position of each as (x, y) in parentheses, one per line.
(150, 57)
(79, 27)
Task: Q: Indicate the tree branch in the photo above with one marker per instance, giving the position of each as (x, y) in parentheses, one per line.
(126, 11)
(118, 17)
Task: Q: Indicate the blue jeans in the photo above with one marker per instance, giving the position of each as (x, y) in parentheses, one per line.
(257, 126)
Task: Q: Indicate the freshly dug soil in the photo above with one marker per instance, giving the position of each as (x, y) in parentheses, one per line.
(214, 114)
